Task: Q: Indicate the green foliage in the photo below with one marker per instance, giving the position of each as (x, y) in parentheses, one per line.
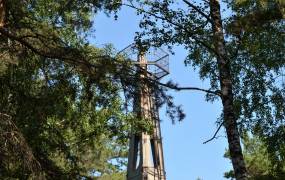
(256, 53)
(260, 164)
(67, 118)
(72, 126)
(53, 29)
(115, 176)
(70, 123)
(259, 66)
(252, 47)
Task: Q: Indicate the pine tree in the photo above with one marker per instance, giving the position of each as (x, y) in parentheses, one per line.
(260, 164)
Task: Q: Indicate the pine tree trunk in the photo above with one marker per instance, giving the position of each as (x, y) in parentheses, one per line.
(230, 120)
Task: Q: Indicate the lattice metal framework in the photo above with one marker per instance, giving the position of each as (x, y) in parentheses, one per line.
(157, 59)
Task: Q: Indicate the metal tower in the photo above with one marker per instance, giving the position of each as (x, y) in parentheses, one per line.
(145, 158)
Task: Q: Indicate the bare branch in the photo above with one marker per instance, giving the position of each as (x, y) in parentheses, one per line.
(215, 135)
(174, 87)
(206, 1)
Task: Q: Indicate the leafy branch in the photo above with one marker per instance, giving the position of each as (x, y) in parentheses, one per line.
(198, 10)
(178, 25)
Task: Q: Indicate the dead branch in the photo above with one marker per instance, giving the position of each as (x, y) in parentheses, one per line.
(177, 88)
(215, 135)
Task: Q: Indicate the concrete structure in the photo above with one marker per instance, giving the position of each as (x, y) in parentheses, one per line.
(145, 159)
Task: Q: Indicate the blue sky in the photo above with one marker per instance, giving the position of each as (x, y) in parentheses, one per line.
(186, 157)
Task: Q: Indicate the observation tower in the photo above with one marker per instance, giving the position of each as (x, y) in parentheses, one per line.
(145, 157)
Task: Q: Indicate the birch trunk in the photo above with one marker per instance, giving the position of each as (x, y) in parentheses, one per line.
(230, 120)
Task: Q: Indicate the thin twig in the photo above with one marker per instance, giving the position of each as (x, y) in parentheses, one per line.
(215, 135)
(174, 87)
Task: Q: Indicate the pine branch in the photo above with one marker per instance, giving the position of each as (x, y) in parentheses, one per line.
(66, 54)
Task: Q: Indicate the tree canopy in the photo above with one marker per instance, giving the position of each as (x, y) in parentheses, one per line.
(63, 112)
(240, 52)
(64, 103)
(260, 163)
(60, 118)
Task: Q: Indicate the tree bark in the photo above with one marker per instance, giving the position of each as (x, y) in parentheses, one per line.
(230, 120)
(2, 13)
